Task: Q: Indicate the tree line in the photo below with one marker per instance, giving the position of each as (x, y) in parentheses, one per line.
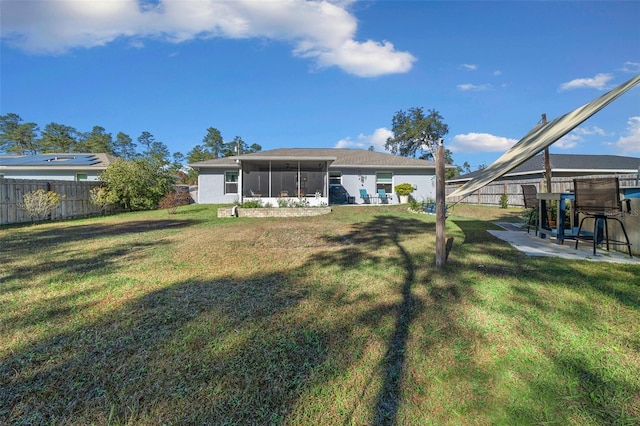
(25, 138)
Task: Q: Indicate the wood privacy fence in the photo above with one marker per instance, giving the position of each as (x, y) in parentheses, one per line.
(490, 195)
(75, 203)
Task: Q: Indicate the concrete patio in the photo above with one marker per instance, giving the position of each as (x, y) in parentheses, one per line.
(533, 245)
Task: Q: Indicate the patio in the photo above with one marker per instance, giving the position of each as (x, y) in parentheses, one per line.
(533, 245)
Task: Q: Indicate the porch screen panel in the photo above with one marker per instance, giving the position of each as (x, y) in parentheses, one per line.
(255, 180)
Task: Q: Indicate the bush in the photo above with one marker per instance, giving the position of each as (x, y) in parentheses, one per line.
(173, 200)
(415, 205)
(504, 201)
(99, 197)
(403, 189)
(39, 204)
(136, 185)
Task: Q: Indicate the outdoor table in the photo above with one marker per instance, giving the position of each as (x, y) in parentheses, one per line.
(561, 199)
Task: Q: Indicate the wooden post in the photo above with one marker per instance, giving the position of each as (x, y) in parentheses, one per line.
(547, 163)
(441, 250)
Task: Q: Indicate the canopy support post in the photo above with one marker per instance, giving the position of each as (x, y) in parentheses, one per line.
(441, 251)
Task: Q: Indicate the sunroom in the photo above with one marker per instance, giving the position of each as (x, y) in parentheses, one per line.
(270, 180)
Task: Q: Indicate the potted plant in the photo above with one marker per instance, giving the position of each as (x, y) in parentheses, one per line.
(403, 190)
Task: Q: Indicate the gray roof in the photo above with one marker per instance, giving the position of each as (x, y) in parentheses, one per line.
(75, 160)
(568, 163)
(339, 157)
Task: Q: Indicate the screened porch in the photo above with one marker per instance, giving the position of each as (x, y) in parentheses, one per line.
(273, 179)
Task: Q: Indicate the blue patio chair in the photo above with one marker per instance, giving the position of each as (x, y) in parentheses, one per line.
(365, 197)
(384, 197)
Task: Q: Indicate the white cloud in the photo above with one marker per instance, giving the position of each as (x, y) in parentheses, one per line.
(321, 30)
(633, 67)
(473, 87)
(598, 82)
(377, 140)
(480, 142)
(470, 67)
(497, 73)
(630, 143)
(578, 135)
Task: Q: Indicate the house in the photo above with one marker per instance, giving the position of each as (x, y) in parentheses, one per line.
(564, 166)
(69, 167)
(320, 175)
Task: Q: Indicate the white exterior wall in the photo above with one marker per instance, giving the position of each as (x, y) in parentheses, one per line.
(354, 180)
(211, 188)
(211, 184)
(69, 175)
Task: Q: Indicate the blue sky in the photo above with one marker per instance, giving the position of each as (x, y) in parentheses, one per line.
(324, 74)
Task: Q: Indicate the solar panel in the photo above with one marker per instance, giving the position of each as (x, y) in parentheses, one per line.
(52, 160)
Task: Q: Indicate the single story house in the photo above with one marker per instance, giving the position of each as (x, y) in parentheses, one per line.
(322, 176)
(564, 166)
(69, 167)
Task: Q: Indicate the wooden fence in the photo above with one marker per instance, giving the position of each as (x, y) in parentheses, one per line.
(75, 203)
(490, 195)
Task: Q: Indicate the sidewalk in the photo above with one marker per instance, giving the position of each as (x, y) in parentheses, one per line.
(533, 245)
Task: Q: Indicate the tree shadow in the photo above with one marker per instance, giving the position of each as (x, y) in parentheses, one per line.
(365, 239)
(224, 351)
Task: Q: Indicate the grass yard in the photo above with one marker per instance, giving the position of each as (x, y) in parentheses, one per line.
(149, 318)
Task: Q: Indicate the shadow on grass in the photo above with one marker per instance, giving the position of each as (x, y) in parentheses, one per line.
(224, 352)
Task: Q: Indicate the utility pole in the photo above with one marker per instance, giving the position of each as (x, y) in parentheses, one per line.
(547, 162)
(441, 249)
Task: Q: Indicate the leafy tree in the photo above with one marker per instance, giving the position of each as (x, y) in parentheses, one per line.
(18, 137)
(58, 138)
(414, 132)
(124, 147)
(466, 167)
(136, 184)
(98, 140)
(40, 203)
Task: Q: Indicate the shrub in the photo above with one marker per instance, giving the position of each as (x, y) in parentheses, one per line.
(173, 200)
(403, 189)
(39, 204)
(415, 205)
(504, 201)
(137, 184)
(99, 197)
(252, 204)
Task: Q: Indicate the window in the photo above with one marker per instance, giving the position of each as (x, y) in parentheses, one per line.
(384, 180)
(81, 177)
(231, 182)
(335, 178)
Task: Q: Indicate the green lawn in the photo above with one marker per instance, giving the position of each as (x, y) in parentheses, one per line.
(150, 318)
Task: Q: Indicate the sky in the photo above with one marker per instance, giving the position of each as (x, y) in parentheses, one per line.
(324, 74)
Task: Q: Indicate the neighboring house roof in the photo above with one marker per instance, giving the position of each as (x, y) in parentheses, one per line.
(73, 161)
(567, 163)
(339, 158)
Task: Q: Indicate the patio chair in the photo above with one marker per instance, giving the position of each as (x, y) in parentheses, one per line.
(529, 193)
(365, 197)
(255, 194)
(599, 199)
(384, 197)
